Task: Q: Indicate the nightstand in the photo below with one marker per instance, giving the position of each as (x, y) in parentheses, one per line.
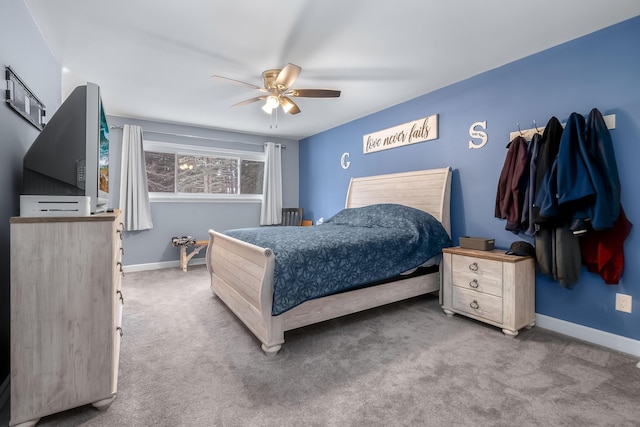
(489, 286)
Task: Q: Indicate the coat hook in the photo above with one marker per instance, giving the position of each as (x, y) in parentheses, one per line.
(518, 124)
(536, 126)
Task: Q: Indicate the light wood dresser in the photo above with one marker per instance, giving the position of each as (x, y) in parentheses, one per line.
(489, 286)
(66, 312)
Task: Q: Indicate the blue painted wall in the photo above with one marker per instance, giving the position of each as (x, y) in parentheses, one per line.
(599, 70)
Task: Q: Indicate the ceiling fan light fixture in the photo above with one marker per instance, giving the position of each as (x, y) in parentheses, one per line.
(286, 105)
(267, 108)
(277, 92)
(272, 101)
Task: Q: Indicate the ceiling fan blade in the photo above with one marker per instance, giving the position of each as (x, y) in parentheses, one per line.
(288, 75)
(314, 93)
(248, 101)
(289, 106)
(252, 86)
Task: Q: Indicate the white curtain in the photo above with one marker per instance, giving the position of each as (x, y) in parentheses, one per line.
(134, 196)
(271, 212)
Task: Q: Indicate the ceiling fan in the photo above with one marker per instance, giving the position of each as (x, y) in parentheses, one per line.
(277, 91)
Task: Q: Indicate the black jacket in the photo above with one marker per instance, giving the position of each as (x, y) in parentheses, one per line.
(549, 147)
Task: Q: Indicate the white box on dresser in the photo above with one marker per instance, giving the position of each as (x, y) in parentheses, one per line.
(489, 286)
(66, 312)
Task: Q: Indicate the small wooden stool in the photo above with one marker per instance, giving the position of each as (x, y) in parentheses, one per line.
(198, 245)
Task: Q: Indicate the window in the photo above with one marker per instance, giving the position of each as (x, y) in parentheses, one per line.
(179, 172)
(160, 172)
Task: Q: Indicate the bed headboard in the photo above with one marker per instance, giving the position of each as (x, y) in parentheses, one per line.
(428, 190)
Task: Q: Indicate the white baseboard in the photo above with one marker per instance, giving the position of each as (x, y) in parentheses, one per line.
(595, 336)
(5, 391)
(163, 264)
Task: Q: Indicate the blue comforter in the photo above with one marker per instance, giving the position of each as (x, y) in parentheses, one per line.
(355, 247)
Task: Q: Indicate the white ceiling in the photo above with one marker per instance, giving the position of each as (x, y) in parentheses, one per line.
(154, 59)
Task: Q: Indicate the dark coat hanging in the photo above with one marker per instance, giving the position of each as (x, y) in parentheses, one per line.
(510, 194)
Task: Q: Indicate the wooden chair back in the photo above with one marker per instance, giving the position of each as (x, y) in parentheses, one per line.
(292, 216)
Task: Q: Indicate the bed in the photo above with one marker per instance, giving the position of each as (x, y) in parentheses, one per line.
(242, 273)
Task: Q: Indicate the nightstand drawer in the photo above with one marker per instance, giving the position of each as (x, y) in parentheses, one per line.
(480, 275)
(478, 304)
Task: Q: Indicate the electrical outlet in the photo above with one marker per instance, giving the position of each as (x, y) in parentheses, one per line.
(623, 303)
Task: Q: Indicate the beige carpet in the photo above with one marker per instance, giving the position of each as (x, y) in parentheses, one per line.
(187, 361)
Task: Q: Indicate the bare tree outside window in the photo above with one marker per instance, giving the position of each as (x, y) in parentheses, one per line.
(251, 177)
(161, 173)
(200, 174)
(207, 175)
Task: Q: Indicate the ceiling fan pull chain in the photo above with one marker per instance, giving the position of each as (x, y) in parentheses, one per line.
(274, 119)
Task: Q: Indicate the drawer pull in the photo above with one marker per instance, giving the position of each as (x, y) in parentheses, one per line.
(474, 284)
(120, 268)
(474, 304)
(473, 267)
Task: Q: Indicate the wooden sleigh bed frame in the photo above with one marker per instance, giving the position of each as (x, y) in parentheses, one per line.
(242, 273)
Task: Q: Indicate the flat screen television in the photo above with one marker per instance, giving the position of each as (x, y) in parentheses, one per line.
(70, 156)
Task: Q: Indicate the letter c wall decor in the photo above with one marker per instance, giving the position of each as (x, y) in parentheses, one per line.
(344, 161)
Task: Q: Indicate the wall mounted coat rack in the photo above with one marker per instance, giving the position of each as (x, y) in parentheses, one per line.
(527, 134)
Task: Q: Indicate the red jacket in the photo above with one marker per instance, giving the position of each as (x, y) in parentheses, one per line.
(603, 251)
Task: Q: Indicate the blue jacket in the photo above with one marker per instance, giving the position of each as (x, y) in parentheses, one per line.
(583, 182)
(607, 207)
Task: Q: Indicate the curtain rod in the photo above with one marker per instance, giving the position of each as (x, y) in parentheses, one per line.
(196, 137)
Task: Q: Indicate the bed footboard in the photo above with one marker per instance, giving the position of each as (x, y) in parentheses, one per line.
(242, 277)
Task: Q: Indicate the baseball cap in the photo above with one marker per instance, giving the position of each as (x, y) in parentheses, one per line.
(521, 248)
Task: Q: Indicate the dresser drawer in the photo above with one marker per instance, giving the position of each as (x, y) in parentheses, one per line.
(117, 336)
(477, 304)
(480, 275)
(489, 286)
